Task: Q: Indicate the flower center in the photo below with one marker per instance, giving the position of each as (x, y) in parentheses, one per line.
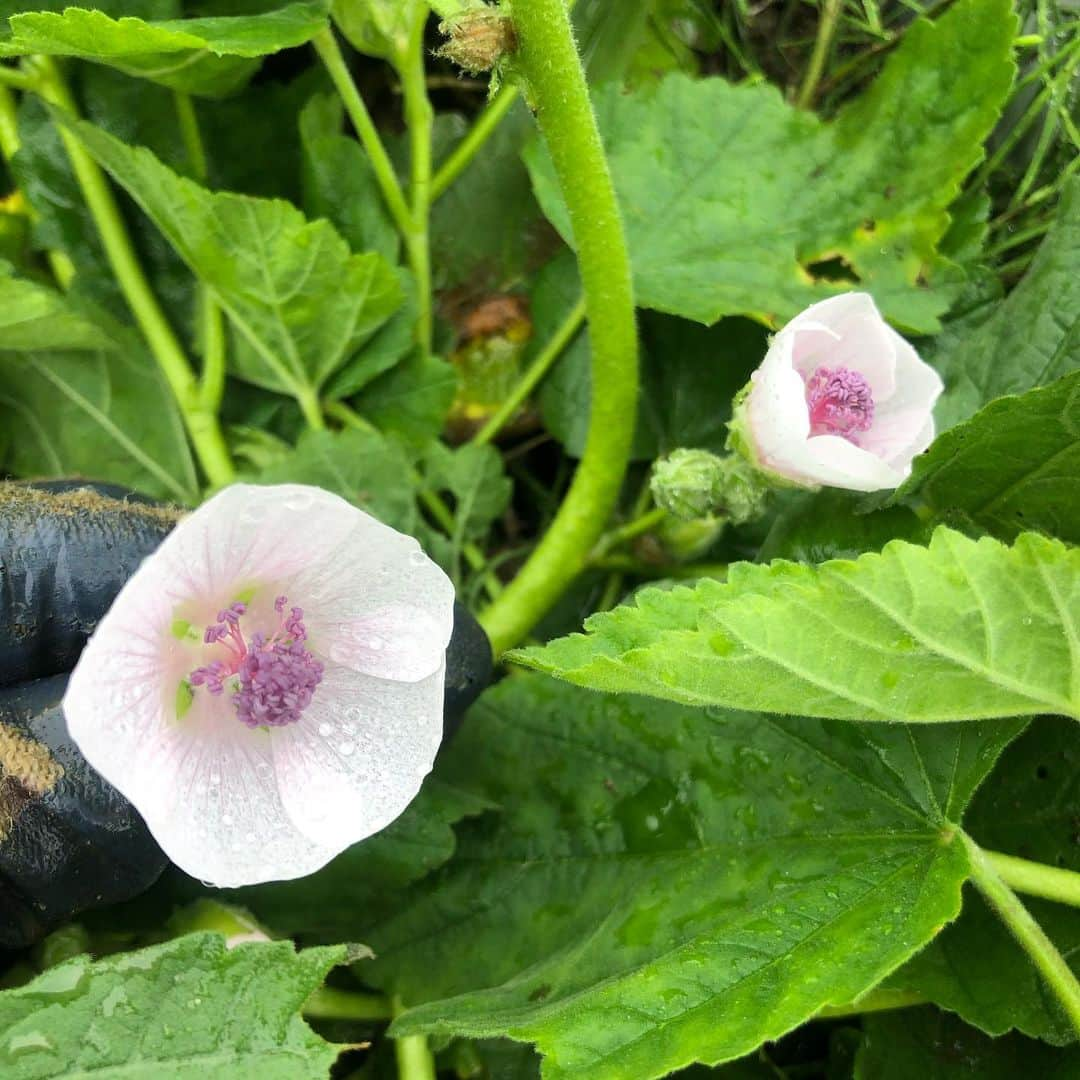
(272, 679)
(840, 403)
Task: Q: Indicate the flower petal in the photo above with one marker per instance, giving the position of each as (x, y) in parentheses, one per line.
(832, 460)
(358, 755)
(846, 331)
(404, 643)
(392, 619)
(778, 421)
(203, 784)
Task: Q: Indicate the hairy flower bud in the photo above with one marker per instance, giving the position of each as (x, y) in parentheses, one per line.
(479, 39)
(692, 484)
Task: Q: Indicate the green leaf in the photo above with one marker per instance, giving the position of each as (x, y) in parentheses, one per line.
(487, 233)
(302, 303)
(476, 479)
(380, 28)
(411, 400)
(211, 57)
(339, 181)
(959, 630)
(732, 198)
(935, 1046)
(1012, 466)
(975, 968)
(361, 466)
(365, 882)
(1030, 339)
(80, 399)
(667, 884)
(187, 1009)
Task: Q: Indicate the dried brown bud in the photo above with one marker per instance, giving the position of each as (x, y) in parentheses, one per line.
(477, 40)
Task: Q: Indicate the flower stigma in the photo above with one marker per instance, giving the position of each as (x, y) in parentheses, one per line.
(840, 402)
(272, 679)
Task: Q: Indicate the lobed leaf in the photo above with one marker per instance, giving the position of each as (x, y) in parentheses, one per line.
(301, 302)
(210, 56)
(189, 1008)
(1031, 338)
(666, 884)
(80, 397)
(958, 630)
(737, 203)
(1012, 466)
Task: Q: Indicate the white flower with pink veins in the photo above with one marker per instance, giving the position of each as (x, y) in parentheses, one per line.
(840, 399)
(267, 689)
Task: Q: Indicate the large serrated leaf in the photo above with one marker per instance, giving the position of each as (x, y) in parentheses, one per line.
(665, 884)
(958, 630)
(188, 1009)
(1031, 338)
(731, 196)
(302, 303)
(1013, 466)
(211, 57)
(80, 397)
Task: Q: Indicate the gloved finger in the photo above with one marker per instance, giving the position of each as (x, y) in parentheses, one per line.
(66, 549)
(68, 840)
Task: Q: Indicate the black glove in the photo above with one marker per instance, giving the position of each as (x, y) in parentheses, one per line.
(68, 840)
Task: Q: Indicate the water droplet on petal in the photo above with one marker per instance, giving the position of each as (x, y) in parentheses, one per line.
(325, 729)
(346, 748)
(417, 558)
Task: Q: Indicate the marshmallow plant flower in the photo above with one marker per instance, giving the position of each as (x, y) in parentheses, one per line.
(840, 399)
(267, 689)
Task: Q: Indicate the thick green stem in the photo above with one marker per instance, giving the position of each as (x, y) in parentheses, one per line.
(327, 47)
(540, 366)
(202, 425)
(414, 1058)
(329, 1003)
(482, 129)
(17, 80)
(1028, 933)
(211, 317)
(549, 61)
(419, 118)
(1036, 879)
(830, 12)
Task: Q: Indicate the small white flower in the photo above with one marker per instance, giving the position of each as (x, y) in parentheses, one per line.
(840, 399)
(267, 689)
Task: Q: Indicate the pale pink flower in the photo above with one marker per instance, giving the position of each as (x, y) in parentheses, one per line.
(267, 689)
(840, 399)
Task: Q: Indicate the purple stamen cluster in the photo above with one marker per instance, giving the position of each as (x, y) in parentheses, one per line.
(275, 677)
(840, 402)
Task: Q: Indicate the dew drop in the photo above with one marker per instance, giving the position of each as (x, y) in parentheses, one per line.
(226, 819)
(325, 729)
(300, 501)
(417, 558)
(346, 748)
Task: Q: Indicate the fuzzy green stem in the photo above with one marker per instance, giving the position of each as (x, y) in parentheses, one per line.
(540, 366)
(1036, 879)
(327, 47)
(419, 118)
(16, 79)
(482, 129)
(203, 426)
(211, 317)
(330, 1003)
(630, 531)
(9, 127)
(1028, 933)
(548, 59)
(830, 12)
(414, 1058)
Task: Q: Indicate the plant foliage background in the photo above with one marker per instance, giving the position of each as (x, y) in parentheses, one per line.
(736, 875)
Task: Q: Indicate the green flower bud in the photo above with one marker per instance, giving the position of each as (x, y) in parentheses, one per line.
(686, 483)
